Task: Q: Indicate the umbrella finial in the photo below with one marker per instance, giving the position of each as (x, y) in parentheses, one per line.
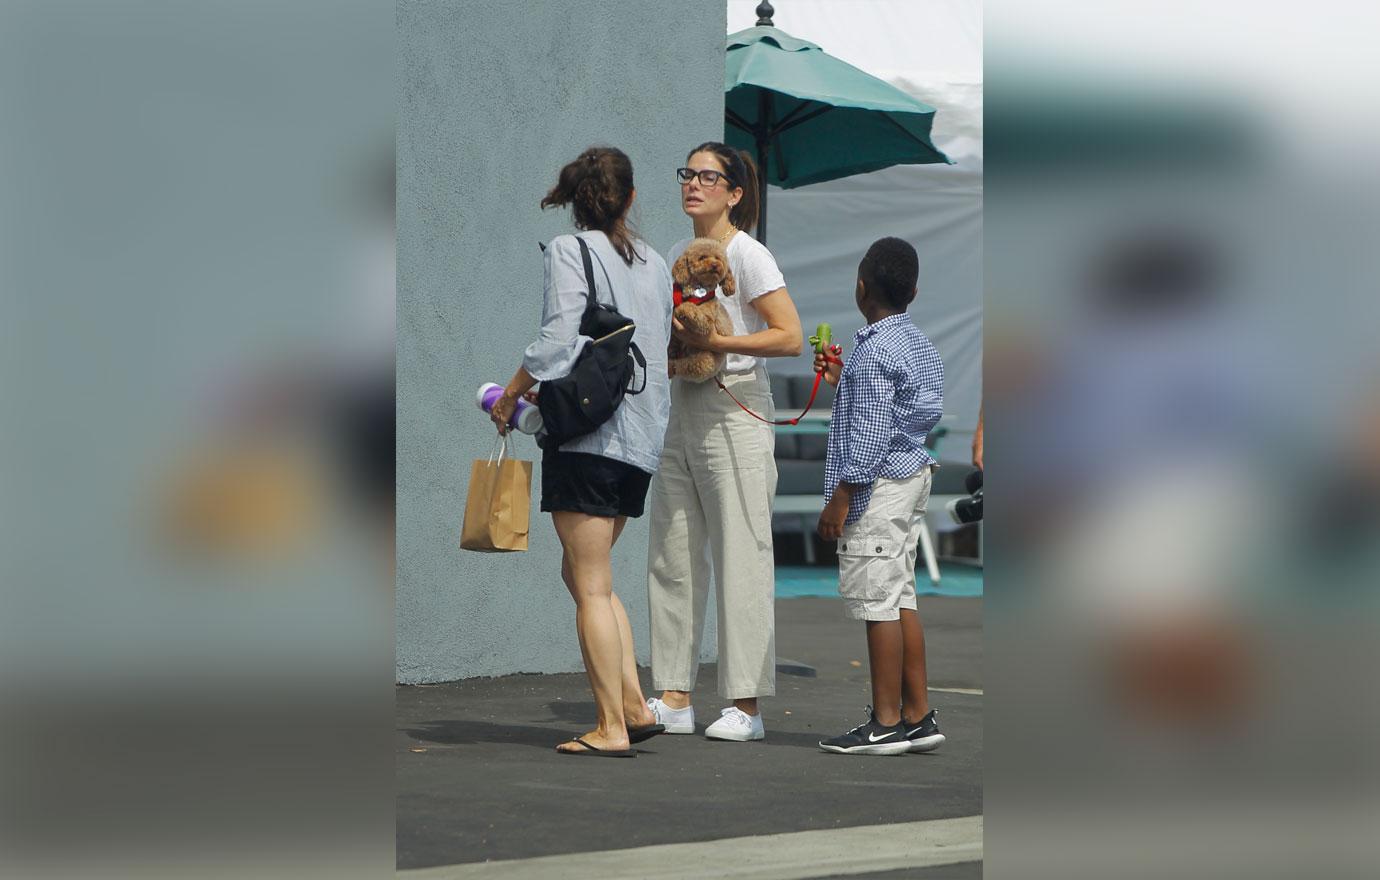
(764, 14)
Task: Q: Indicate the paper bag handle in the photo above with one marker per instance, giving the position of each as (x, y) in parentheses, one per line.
(500, 447)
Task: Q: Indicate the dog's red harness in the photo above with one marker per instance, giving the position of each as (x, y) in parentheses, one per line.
(678, 296)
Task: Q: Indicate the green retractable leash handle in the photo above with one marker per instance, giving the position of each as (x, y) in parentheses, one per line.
(823, 345)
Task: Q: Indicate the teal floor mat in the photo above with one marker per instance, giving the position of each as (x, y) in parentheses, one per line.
(796, 581)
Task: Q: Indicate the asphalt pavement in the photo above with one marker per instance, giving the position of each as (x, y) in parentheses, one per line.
(478, 777)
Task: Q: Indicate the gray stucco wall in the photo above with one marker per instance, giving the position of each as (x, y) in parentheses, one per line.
(493, 98)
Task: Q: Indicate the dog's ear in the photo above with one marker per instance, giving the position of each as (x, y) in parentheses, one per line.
(680, 270)
(729, 286)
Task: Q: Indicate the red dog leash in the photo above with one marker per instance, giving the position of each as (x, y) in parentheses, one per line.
(830, 357)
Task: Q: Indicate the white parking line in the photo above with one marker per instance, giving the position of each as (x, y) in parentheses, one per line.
(794, 856)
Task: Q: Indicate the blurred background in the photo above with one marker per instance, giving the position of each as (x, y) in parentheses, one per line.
(1182, 395)
(196, 270)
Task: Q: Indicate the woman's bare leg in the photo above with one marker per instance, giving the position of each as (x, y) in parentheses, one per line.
(635, 710)
(586, 568)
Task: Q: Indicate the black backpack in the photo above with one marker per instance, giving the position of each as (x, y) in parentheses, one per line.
(578, 403)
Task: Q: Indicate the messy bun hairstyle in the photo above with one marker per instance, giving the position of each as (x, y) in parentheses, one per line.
(742, 172)
(598, 186)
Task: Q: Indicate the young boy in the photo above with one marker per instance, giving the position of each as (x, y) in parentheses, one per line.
(877, 483)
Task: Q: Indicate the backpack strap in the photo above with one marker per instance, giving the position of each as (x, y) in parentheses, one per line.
(633, 351)
(589, 274)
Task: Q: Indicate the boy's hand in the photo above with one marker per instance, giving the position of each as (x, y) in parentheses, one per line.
(831, 369)
(830, 525)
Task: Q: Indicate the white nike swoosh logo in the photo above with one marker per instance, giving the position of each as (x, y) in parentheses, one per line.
(914, 732)
(872, 737)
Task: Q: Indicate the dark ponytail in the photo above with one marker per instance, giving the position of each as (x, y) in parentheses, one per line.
(742, 172)
(598, 186)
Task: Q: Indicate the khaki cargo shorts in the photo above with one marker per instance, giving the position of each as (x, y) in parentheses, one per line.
(877, 553)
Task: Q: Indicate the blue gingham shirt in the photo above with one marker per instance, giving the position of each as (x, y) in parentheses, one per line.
(890, 396)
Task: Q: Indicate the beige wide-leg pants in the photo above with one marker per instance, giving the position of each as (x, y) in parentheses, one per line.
(711, 505)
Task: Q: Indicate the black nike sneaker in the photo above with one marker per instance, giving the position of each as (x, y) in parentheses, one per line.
(924, 736)
(869, 738)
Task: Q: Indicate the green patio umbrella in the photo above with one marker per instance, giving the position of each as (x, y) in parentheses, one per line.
(810, 117)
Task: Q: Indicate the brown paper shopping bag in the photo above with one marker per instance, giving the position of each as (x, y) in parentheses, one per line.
(498, 507)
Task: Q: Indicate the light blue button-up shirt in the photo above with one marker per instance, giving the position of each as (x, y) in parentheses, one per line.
(641, 292)
(890, 396)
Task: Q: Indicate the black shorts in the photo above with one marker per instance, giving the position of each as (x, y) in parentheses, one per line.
(592, 484)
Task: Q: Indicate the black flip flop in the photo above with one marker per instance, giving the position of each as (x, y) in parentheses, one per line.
(645, 732)
(591, 751)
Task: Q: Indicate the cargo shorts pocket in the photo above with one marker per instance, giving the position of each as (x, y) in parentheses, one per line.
(870, 567)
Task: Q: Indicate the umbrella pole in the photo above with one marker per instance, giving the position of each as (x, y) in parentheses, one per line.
(763, 147)
(762, 191)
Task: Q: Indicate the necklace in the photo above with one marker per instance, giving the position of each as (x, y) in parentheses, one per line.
(729, 234)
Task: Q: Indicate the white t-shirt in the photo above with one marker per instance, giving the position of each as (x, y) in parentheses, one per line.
(755, 270)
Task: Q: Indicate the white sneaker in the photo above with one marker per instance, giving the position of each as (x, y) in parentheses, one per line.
(736, 725)
(674, 720)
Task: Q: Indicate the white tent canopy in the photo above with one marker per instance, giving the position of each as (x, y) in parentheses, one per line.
(931, 49)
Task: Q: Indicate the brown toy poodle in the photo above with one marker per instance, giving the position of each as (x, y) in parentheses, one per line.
(698, 272)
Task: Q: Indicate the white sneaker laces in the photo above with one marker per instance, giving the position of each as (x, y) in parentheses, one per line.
(737, 716)
(661, 710)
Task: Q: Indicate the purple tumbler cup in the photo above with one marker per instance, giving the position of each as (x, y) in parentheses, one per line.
(526, 418)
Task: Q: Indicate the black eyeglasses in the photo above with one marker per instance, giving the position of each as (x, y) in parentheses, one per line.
(707, 176)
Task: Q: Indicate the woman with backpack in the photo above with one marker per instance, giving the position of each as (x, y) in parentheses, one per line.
(592, 483)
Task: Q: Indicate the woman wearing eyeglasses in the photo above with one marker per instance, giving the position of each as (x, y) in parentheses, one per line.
(712, 499)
